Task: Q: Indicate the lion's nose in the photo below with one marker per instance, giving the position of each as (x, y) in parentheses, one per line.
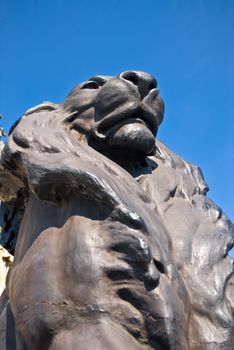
(144, 81)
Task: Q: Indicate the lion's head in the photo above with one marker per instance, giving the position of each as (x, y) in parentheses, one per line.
(117, 114)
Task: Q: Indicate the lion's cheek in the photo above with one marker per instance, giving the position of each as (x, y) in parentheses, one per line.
(135, 136)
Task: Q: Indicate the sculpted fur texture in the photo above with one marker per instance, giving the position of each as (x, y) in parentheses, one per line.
(118, 246)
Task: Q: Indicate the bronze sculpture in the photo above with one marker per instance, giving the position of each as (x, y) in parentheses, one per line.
(119, 247)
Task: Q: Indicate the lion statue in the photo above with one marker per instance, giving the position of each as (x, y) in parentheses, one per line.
(117, 245)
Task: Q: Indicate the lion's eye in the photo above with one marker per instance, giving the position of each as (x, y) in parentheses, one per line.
(90, 85)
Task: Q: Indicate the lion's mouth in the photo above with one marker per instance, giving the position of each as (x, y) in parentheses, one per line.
(104, 128)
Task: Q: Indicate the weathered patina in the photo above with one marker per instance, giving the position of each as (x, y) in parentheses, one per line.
(119, 247)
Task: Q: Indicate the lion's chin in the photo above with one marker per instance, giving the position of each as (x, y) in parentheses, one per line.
(134, 137)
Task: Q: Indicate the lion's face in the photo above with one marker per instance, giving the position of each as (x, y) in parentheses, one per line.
(121, 114)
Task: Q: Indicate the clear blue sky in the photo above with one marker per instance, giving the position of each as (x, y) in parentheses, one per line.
(48, 46)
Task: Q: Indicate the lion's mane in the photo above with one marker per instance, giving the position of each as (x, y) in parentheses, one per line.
(43, 157)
